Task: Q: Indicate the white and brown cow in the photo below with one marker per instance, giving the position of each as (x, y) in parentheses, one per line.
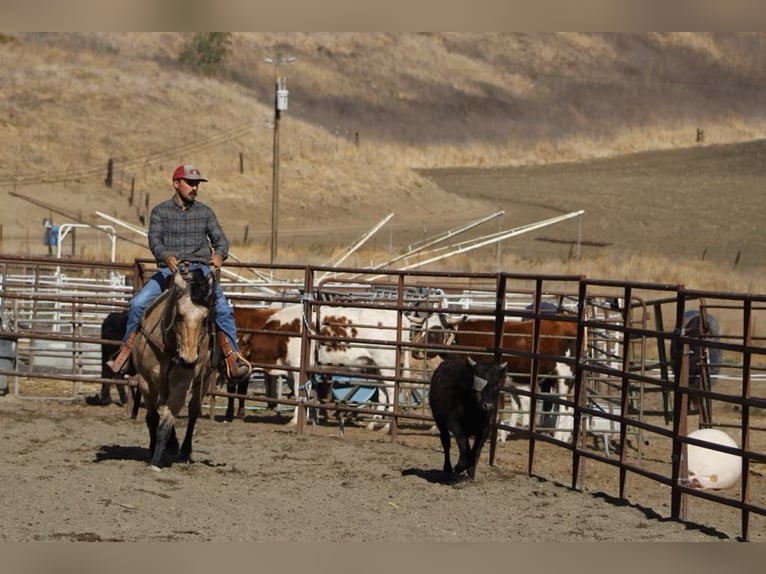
(557, 339)
(364, 342)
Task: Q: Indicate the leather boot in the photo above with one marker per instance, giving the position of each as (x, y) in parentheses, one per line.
(119, 363)
(236, 369)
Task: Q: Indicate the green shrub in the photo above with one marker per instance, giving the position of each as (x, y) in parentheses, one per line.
(206, 51)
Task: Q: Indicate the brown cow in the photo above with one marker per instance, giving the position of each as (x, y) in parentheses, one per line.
(557, 339)
(248, 319)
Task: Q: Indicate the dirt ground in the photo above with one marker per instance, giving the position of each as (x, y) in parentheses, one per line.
(73, 472)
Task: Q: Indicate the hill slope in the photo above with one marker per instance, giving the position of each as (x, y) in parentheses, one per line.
(364, 110)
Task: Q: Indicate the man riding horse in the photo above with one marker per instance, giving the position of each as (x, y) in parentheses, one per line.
(183, 230)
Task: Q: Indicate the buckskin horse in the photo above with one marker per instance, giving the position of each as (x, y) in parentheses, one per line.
(173, 355)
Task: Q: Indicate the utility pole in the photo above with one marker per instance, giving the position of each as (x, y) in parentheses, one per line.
(280, 104)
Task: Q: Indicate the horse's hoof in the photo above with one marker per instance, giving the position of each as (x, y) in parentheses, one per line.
(155, 468)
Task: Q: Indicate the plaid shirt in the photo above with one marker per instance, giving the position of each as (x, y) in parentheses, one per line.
(188, 234)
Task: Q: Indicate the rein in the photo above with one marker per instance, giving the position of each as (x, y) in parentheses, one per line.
(152, 338)
(168, 319)
(164, 326)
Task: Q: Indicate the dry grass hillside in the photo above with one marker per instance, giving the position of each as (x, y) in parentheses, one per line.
(367, 113)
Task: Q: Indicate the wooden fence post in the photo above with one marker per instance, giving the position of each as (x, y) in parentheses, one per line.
(109, 171)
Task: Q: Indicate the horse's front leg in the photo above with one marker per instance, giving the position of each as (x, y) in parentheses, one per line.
(152, 416)
(170, 439)
(164, 428)
(152, 420)
(195, 410)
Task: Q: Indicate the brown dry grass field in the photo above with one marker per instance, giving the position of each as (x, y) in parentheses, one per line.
(439, 129)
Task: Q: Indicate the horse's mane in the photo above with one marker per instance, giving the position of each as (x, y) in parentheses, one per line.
(201, 291)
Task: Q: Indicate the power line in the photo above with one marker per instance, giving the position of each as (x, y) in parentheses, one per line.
(133, 163)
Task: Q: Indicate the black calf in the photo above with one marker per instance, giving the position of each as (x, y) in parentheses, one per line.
(113, 327)
(463, 398)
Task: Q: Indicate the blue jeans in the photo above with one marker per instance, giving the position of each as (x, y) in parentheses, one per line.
(224, 314)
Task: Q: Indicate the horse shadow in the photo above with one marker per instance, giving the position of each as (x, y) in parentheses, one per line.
(119, 452)
(435, 476)
(141, 454)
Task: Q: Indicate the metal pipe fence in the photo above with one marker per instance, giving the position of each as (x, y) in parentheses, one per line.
(623, 403)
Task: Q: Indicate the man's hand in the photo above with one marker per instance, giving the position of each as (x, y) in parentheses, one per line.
(172, 262)
(216, 260)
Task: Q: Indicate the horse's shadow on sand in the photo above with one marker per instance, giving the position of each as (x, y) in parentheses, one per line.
(119, 452)
(141, 454)
(435, 476)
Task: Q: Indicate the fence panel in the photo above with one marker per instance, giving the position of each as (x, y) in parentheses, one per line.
(609, 382)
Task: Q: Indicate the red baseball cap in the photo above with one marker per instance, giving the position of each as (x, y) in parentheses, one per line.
(188, 171)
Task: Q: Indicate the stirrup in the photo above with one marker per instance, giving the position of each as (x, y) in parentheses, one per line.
(119, 363)
(243, 368)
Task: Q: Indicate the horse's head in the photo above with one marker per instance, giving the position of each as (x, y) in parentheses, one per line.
(436, 329)
(193, 299)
